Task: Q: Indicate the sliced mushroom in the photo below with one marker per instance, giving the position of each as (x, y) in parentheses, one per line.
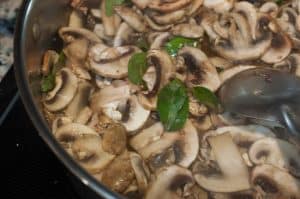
(190, 30)
(227, 157)
(168, 181)
(200, 70)
(291, 64)
(226, 119)
(59, 122)
(84, 115)
(108, 21)
(75, 19)
(65, 93)
(147, 136)
(276, 152)
(220, 63)
(243, 136)
(219, 5)
(159, 40)
(123, 34)
(119, 174)
(141, 171)
(158, 146)
(155, 26)
(275, 182)
(169, 18)
(89, 153)
(132, 18)
(114, 139)
(69, 34)
(186, 149)
(109, 94)
(228, 73)
(269, 8)
(202, 124)
(80, 100)
(142, 4)
(194, 7)
(113, 62)
(165, 6)
(280, 48)
(100, 32)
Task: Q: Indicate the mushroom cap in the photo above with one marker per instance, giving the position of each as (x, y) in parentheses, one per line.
(275, 182)
(227, 157)
(72, 131)
(200, 71)
(219, 5)
(166, 183)
(65, 93)
(141, 171)
(112, 62)
(88, 151)
(276, 152)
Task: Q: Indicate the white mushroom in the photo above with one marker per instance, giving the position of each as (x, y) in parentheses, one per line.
(276, 152)
(72, 131)
(230, 72)
(270, 8)
(112, 62)
(69, 34)
(233, 174)
(159, 40)
(165, 6)
(219, 5)
(169, 18)
(167, 182)
(275, 182)
(155, 26)
(200, 71)
(190, 30)
(147, 136)
(65, 92)
(89, 153)
(142, 4)
(132, 18)
(123, 34)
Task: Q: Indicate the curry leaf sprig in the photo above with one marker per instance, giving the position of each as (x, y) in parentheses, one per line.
(177, 42)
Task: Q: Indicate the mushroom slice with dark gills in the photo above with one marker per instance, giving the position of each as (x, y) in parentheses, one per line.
(240, 46)
(80, 100)
(164, 70)
(123, 35)
(168, 181)
(132, 18)
(275, 182)
(276, 152)
(69, 34)
(233, 175)
(166, 7)
(270, 8)
(88, 151)
(112, 62)
(200, 71)
(155, 26)
(119, 174)
(64, 92)
(169, 18)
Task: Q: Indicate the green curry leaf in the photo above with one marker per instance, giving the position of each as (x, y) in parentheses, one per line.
(137, 66)
(176, 43)
(173, 105)
(206, 97)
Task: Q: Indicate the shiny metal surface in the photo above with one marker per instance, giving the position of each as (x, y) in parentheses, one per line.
(36, 31)
(264, 94)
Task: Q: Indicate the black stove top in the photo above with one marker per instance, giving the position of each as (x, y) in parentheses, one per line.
(30, 169)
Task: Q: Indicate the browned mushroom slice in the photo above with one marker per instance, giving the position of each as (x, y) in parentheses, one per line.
(194, 7)
(123, 34)
(119, 174)
(276, 152)
(132, 18)
(233, 174)
(280, 48)
(220, 63)
(164, 6)
(141, 171)
(219, 5)
(69, 34)
(114, 139)
(112, 62)
(147, 136)
(200, 71)
(275, 182)
(160, 40)
(80, 100)
(190, 30)
(269, 8)
(84, 115)
(65, 93)
(59, 122)
(168, 181)
(87, 150)
(75, 19)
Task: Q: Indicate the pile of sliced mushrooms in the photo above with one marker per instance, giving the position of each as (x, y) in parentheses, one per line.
(111, 125)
